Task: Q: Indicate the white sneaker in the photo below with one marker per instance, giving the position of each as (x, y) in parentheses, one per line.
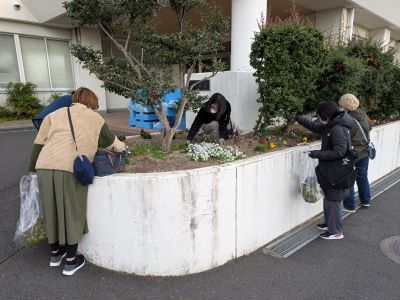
(328, 236)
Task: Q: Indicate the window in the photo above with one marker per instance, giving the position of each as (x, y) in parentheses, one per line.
(8, 61)
(45, 62)
(60, 64)
(35, 61)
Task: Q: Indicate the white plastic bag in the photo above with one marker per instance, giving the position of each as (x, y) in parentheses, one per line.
(309, 186)
(30, 207)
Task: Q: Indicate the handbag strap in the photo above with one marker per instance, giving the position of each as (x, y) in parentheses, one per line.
(361, 129)
(72, 128)
(110, 160)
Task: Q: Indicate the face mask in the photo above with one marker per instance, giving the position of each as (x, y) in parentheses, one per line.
(213, 110)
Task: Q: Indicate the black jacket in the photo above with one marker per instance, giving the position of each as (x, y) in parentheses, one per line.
(334, 138)
(205, 117)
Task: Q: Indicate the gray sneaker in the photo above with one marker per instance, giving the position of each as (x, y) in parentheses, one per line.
(55, 260)
(71, 267)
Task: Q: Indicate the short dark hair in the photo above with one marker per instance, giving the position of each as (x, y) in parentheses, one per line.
(327, 110)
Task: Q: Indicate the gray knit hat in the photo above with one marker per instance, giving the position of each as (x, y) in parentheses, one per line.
(349, 102)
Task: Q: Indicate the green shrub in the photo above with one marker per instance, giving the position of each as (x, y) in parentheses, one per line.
(288, 59)
(389, 104)
(6, 114)
(341, 75)
(379, 79)
(21, 100)
(54, 96)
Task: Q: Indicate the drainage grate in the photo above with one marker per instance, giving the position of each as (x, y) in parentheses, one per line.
(391, 248)
(288, 244)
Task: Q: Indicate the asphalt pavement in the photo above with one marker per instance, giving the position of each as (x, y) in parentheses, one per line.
(352, 268)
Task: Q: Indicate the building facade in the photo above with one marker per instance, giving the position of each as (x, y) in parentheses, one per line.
(35, 36)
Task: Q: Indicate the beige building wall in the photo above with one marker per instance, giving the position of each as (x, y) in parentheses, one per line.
(360, 31)
(332, 23)
(387, 9)
(81, 76)
(90, 37)
(7, 11)
(8, 26)
(34, 30)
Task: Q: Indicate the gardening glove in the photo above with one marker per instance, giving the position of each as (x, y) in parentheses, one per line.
(313, 154)
(121, 137)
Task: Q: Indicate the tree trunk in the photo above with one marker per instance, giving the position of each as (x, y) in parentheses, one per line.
(168, 134)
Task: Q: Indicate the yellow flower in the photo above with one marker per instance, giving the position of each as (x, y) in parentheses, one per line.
(271, 145)
(305, 139)
(284, 142)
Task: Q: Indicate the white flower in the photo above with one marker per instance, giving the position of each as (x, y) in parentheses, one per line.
(204, 151)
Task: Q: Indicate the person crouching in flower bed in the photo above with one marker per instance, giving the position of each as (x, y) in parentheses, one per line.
(213, 118)
(333, 127)
(63, 198)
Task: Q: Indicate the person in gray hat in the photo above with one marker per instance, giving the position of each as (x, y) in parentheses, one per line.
(350, 104)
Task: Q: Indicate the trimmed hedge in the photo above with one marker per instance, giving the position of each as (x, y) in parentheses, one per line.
(288, 60)
(296, 70)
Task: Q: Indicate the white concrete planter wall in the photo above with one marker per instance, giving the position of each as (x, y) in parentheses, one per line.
(183, 222)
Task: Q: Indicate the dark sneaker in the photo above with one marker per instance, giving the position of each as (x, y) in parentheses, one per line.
(349, 210)
(365, 205)
(322, 226)
(328, 236)
(71, 267)
(55, 259)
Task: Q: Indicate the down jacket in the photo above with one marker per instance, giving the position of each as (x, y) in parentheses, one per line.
(206, 117)
(334, 138)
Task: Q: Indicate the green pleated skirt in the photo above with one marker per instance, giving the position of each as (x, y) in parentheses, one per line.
(64, 202)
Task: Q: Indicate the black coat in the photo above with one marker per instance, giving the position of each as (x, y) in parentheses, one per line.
(205, 117)
(334, 138)
(335, 143)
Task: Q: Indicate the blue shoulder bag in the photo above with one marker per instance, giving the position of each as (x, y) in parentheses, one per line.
(83, 168)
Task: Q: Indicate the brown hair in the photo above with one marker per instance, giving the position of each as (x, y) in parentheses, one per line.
(86, 97)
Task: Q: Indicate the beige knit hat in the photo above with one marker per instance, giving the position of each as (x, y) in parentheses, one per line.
(349, 102)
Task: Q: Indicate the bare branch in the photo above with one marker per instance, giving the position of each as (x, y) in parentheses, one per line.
(204, 79)
(128, 40)
(189, 74)
(179, 113)
(160, 113)
(122, 49)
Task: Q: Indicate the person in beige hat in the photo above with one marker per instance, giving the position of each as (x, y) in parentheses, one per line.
(350, 104)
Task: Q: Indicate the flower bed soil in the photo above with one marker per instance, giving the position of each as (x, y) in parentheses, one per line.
(177, 159)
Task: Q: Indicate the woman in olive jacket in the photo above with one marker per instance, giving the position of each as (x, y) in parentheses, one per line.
(334, 129)
(350, 104)
(63, 198)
